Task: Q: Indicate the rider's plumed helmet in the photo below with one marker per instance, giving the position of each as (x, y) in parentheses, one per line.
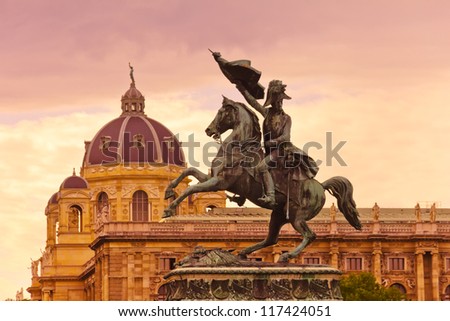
(276, 88)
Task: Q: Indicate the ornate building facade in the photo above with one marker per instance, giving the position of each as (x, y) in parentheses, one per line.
(106, 240)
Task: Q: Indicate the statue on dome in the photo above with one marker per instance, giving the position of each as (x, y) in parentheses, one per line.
(131, 73)
(276, 174)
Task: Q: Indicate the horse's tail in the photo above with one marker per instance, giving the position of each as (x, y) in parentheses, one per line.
(342, 189)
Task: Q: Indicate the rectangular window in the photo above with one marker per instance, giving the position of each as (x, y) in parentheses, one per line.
(311, 260)
(354, 264)
(447, 261)
(255, 259)
(166, 263)
(397, 264)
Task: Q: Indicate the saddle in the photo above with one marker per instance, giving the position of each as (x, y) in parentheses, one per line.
(291, 168)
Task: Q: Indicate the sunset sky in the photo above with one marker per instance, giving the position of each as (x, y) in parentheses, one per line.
(375, 74)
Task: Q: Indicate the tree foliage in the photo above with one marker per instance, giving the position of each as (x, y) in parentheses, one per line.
(364, 287)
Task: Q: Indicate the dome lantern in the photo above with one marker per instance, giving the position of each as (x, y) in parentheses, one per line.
(133, 137)
(133, 102)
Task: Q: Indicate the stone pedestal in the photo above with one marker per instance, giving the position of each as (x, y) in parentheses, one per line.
(244, 280)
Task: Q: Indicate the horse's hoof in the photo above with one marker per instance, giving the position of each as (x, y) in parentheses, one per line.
(169, 194)
(284, 258)
(268, 201)
(242, 256)
(167, 213)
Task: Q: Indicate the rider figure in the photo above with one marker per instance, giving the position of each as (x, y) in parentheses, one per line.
(276, 131)
(276, 125)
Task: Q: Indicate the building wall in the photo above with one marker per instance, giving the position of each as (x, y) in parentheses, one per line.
(415, 262)
(128, 260)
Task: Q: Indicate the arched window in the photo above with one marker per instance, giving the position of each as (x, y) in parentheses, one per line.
(140, 207)
(399, 287)
(210, 208)
(102, 207)
(447, 293)
(75, 218)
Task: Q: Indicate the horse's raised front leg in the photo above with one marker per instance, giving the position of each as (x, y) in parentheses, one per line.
(277, 220)
(191, 171)
(308, 236)
(211, 185)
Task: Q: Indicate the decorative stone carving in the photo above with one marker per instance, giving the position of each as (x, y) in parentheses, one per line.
(280, 290)
(35, 267)
(252, 289)
(126, 190)
(220, 289)
(411, 283)
(47, 256)
(231, 278)
(110, 190)
(215, 257)
(151, 190)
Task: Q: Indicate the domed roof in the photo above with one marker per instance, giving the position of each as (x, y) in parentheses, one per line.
(74, 181)
(53, 199)
(132, 93)
(133, 137)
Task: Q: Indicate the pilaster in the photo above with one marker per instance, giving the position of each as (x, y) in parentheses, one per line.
(420, 280)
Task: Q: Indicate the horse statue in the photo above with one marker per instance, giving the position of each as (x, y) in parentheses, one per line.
(298, 198)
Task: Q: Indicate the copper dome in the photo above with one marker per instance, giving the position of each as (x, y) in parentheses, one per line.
(74, 182)
(134, 138)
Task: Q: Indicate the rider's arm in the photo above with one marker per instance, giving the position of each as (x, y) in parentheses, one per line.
(251, 100)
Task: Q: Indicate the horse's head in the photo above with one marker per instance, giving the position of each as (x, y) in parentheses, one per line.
(226, 118)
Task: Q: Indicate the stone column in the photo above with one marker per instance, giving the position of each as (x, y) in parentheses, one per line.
(120, 216)
(105, 276)
(153, 267)
(130, 274)
(146, 276)
(435, 274)
(46, 295)
(276, 255)
(51, 229)
(420, 281)
(98, 280)
(124, 276)
(376, 260)
(334, 255)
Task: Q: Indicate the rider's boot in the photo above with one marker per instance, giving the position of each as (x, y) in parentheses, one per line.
(269, 188)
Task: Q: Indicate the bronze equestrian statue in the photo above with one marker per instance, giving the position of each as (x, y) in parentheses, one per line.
(280, 177)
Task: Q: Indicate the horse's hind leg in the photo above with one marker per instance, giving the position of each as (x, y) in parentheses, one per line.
(308, 236)
(191, 171)
(277, 220)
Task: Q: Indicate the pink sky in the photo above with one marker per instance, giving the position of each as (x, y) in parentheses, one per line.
(375, 74)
